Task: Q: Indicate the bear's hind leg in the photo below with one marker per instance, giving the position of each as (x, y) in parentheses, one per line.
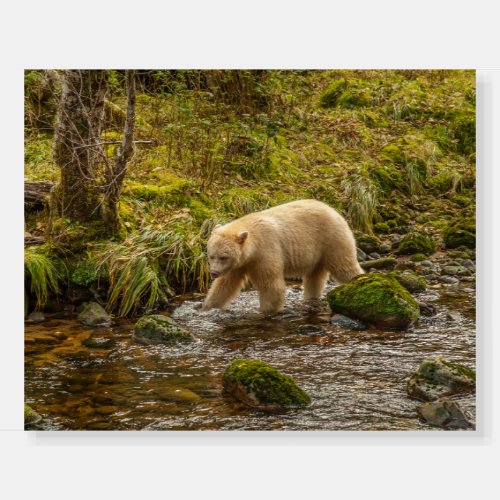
(314, 284)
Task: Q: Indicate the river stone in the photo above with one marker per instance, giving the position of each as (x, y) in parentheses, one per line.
(159, 328)
(449, 280)
(384, 248)
(344, 322)
(37, 317)
(383, 263)
(262, 386)
(93, 314)
(361, 255)
(368, 243)
(179, 395)
(468, 264)
(377, 299)
(415, 242)
(98, 342)
(411, 281)
(310, 329)
(444, 413)
(436, 378)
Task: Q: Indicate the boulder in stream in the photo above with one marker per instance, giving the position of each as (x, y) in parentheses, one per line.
(92, 314)
(411, 281)
(444, 413)
(377, 299)
(436, 378)
(262, 386)
(31, 417)
(162, 329)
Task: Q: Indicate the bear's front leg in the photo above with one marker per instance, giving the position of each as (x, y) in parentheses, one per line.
(223, 290)
(272, 297)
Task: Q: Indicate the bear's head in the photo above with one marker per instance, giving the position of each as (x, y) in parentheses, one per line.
(225, 249)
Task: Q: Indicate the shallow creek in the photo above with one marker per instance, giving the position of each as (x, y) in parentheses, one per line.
(84, 378)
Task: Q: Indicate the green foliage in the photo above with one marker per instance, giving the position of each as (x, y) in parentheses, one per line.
(44, 273)
(144, 267)
(331, 95)
(84, 273)
(382, 228)
(362, 196)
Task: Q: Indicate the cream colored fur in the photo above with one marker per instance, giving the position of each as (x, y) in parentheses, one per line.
(305, 238)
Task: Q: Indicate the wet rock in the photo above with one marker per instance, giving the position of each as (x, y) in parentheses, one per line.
(374, 255)
(178, 395)
(368, 243)
(361, 255)
(158, 328)
(444, 413)
(436, 378)
(376, 299)
(427, 309)
(261, 386)
(383, 263)
(36, 317)
(411, 281)
(106, 410)
(468, 264)
(344, 322)
(416, 243)
(93, 314)
(449, 280)
(310, 330)
(453, 316)
(455, 270)
(426, 263)
(94, 342)
(31, 417)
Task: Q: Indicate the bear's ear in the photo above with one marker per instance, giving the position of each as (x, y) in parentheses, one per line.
(242, 237)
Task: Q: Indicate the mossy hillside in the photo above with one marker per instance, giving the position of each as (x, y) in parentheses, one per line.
(388, 140)
(259, 384)
(377, 299)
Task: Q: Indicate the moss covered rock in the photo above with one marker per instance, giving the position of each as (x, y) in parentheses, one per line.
(260, 385)
(444, 413)
(92, 314)
(382, 228)
(31, 417)
(377, 299)
(416, 243)
(382, 263)
(460, 233)
(411, 281)
(436, 378)
(368, 243)
(158, 328)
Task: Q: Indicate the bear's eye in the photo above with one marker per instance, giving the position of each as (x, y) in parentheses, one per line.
(223, 258)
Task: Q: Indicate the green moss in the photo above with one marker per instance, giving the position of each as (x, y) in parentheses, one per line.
(175, 191)
(418, 257)
(377, 299)
(263, 385)
(331, 95)
(158, 328)
(383, 263)
(460, 233)
(461, 200)
(387, 177)
(411, 281)
(382, 228)
(30, 415)
(416, 243)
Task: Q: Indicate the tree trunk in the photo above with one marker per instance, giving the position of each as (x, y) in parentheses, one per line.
(115, 171)
(77, 149)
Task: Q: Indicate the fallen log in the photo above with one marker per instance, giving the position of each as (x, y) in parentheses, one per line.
(36, 194)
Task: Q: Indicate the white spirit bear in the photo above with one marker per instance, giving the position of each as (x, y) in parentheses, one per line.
(304, 238)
